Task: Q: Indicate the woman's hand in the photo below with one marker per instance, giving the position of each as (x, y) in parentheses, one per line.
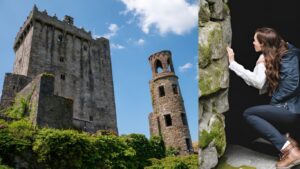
(230, 54)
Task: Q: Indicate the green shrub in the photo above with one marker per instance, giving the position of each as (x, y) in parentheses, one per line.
(54, 148)
(65, 149)
(18, 109)
(114, 152)
(157, 147)
(179, 162)
(172, 152)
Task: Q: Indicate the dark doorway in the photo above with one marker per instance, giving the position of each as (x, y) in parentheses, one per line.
(246, 17)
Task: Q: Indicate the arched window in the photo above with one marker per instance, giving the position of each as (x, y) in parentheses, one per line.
(169, 65)
(158, 66)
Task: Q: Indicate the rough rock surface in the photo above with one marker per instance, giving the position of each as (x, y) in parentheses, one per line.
(214, 35)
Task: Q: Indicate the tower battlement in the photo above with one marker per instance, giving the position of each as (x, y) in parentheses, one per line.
(161, 64)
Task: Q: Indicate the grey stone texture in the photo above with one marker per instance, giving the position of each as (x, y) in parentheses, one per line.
(168, 118)
(13, 83)
(214, 35)
(46, 109)
(81, 67)
(240, 156)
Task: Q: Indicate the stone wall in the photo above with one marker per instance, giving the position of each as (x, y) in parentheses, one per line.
(81, 66)
(214, 36)
(45, 109)
(13, 83)
(175, 133)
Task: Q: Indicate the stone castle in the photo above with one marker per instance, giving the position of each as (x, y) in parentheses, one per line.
(168, 118)
(65, 72)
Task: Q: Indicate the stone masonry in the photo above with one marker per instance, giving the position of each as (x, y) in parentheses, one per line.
(168, 118)
(214, 36)
(80, 64)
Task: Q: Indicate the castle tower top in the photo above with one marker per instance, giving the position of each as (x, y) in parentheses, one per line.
(161, 64)
(66, 25)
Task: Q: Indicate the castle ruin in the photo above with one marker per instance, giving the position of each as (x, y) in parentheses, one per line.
(168, 118)
(81, 69)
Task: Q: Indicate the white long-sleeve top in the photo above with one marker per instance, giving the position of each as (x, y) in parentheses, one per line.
(256, 78)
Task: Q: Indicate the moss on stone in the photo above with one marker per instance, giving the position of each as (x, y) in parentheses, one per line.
(204, 14)
(210, 79)
(215, 36)
(226, 9)
(224, 165)
(205, 53)
(216, 135)
(48, 74)
(218, 131)
(20, 107)
(204, 139)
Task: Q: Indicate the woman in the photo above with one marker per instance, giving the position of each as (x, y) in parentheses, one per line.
(277, 71)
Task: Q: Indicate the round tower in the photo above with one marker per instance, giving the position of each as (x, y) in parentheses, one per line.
(168, 118)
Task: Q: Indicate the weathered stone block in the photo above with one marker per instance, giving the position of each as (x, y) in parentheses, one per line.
(208, 158)
(213, 78)
(204, 13)
(211, 44)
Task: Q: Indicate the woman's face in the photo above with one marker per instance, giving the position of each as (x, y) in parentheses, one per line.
(257, 45)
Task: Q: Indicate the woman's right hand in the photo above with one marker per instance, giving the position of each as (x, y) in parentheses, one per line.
(230, 54)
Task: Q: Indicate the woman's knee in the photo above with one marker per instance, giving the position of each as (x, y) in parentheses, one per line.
(248, 112)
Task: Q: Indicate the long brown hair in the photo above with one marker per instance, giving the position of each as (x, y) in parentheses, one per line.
(273, 48)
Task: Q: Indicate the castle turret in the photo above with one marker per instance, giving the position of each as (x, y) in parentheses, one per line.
(168, 118)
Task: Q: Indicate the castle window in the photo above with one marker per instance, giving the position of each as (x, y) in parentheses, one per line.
(161, 90)
(158, 66)
(91, 118)
(62, 76)
(183, 118)
(61, 59)
(174, 87)
(169, 65)
(188, 144)
(168, 120)
(84, 48)
(60, 38)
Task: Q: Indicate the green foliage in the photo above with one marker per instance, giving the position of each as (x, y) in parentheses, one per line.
(141, 145)
(157, 147)
(54, 148)
(18, 110)
(171, 151)
(216, 135)
(65, 149)
(114, 152)
(144, 148)
(48, 74)
(179, 162)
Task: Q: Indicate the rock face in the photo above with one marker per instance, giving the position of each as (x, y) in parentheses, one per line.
(214, 36)
(168, 118)
(240, 156)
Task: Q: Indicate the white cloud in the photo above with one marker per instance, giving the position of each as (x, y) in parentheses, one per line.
(185, 67)
(117, 46)
(176, 16)
(112, 28)
(140, 42)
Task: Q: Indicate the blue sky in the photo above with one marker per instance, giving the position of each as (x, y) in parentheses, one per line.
(136, 29)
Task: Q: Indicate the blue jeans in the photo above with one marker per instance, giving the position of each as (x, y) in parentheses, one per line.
(272, 122)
